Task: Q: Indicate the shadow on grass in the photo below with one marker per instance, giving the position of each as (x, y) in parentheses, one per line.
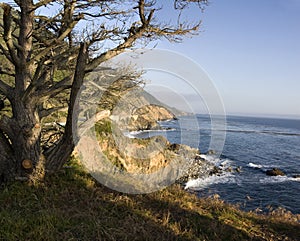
(71, 206)
(192, 225)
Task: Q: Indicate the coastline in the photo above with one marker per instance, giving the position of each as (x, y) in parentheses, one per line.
(73, 205)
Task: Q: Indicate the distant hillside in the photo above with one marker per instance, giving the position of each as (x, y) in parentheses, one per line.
(140, 110)
(157, 102)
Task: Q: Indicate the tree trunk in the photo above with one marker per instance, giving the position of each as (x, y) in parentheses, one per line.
(20, 136)
(59, 154)
(26, 141)
(20, 145)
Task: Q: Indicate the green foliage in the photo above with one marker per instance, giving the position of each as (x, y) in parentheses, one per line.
(103, 126)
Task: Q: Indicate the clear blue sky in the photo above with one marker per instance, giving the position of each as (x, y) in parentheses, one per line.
(251, 50)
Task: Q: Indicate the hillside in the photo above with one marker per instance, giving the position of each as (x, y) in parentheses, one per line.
(139, 110)
(72, 206)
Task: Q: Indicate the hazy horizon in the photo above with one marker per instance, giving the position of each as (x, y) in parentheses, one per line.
(180, 106)
(251, 52)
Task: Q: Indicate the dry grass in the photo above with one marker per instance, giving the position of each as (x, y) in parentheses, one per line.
(72, 206)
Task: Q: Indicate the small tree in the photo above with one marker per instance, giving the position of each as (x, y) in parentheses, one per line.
(46, 57)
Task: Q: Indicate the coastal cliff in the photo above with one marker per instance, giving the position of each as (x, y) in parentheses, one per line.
(149, 155)
(140, 111)
(142, 155)
(147, 117)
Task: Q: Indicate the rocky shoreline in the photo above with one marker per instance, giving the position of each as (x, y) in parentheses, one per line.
(148, 155)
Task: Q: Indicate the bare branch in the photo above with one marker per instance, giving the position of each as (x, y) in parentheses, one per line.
(173, 34)
(67, 143)
(47, 112)
(18, 2)
(117, 50)
(55, 43)
(109, 14)
(181, 4)
(51, 92)
(7, 32)
(6, 53)
(41, 3)
(142, 11)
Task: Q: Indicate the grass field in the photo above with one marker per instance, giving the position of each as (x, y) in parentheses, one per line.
(71, 205)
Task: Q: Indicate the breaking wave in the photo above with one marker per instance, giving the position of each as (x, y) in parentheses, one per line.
(204, 182)
(278, 179)
(201, 183)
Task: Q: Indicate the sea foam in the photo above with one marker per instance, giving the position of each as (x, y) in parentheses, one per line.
(225, 177)
(202, 183)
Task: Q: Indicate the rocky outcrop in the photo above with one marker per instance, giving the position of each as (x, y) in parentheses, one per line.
(141, 111)
(147, 117)
(143, 155)
(198, 168)
(275, 172)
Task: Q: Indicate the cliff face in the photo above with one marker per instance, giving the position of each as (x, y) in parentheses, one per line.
(143, 155)
(141, 111)
(146, 117)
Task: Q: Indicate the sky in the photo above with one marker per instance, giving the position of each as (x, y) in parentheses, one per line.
(251, 52)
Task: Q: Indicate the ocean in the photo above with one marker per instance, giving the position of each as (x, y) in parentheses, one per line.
(253, 145)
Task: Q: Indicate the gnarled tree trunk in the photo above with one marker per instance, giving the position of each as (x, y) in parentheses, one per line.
(44, 58)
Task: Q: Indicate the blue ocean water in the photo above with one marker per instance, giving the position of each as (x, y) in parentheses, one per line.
(253, 144)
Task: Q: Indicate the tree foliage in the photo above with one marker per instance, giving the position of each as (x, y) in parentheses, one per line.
(47, 48)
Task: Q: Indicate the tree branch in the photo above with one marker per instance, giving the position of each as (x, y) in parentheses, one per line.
(69, 139)
(7, 32)
(6, 90)
(142, 11)
(54, 43)
(54, 89)
(181, 4)
(134, 34)
(109, 14)
(41, 3)
(47, 112)
(6, 72)
(6, 53)
(166, 32)
(117, 50)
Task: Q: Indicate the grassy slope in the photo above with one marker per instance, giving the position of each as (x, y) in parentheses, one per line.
(72, 206)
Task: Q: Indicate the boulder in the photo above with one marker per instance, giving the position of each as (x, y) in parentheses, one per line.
(296, 176)
(211, 152)
(197, 168)
(275, 172)
(174, 147)
(215, 171)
